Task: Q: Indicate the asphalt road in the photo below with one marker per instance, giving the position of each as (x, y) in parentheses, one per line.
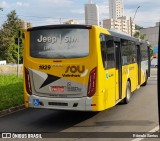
(140, 115)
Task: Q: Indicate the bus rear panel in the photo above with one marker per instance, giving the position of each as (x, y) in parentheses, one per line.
(60, 68)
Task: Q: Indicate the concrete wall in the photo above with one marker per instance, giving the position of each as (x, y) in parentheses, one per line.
(151, 35)
(10, 69)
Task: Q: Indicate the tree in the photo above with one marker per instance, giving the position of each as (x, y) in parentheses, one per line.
(8, 33)
(138, 35)
(137, 27)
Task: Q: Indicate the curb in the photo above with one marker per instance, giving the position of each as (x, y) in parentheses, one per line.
(11, 110)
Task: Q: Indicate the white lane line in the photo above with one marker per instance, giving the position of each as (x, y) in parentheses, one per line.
(152, 131)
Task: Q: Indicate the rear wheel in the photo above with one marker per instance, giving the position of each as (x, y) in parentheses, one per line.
(128, 94)
(145, 83)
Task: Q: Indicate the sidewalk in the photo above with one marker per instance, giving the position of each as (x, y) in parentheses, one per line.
(11, 110)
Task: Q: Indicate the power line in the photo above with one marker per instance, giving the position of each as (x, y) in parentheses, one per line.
(35, 16)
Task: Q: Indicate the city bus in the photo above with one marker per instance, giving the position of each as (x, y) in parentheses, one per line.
(82, 67)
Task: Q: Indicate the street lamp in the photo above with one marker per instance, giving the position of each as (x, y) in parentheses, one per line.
(131, 21)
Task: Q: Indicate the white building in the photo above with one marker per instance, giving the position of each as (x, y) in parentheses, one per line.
(116, 9)
(117, 19)
(91, 14)
(122, 23)
(3, 62)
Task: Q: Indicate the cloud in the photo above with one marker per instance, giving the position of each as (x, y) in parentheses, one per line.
(104, 11)
(4, 4)
(48, 8)
(147, 14)
(77, 11)
(52, 3)
(20, 4)
(53, 21)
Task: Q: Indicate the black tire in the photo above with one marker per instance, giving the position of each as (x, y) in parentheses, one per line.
(128, 94)
(145, 83)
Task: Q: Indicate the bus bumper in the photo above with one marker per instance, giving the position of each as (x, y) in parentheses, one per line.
(73, 104)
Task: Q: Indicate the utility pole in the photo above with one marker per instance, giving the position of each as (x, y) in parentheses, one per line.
(19, 33)
(131, 25)
(18, 41)
(131, 21)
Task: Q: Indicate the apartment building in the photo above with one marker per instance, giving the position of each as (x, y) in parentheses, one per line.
(116, 9)
(122, 23)
(91, 14)
(117, 19)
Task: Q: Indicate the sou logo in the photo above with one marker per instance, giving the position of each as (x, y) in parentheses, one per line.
(75, 69)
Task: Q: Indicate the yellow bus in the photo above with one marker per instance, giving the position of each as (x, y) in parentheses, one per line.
(82, 67)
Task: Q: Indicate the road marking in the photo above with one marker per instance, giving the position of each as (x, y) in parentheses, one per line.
(152, 131)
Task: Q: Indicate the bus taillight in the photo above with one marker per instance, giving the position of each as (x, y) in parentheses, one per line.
(28, 82)
(92, 83)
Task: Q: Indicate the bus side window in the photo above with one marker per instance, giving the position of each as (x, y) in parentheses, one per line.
(128, 52)
(107, 51)
(103, 50)
(144, 52)
(110, 52)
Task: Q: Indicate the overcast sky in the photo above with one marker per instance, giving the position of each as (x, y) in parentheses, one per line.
(41, 12)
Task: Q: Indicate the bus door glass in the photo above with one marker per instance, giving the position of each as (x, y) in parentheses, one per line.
(118, 70)
(139, 64)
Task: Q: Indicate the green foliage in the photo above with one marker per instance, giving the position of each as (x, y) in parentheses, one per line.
(138, 35)
(11, 91)
(8, 33)
(137, 27)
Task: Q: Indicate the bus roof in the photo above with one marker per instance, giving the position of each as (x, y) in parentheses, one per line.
(61, 26)
(123, 36)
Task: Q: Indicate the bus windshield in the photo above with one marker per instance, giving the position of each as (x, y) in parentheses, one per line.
(59, 43)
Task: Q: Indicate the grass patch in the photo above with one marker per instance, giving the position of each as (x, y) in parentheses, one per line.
(11, 91)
